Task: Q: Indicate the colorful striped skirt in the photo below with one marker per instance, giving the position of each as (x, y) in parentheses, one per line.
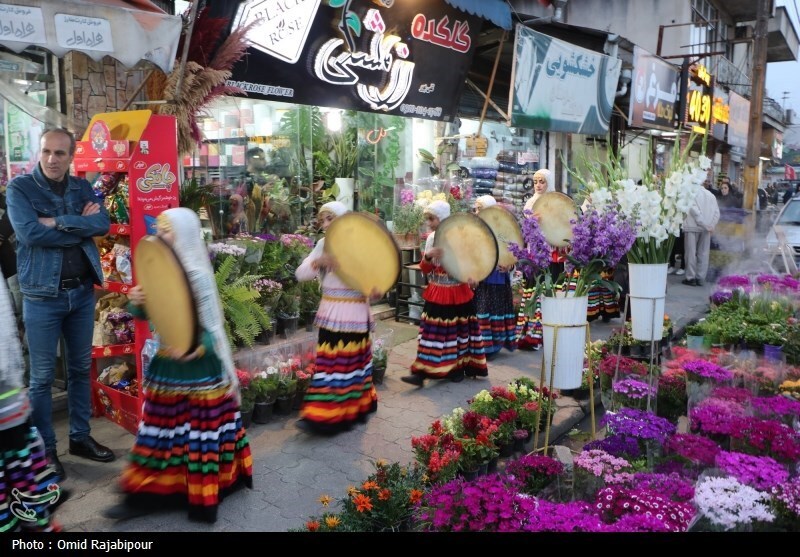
(341, 392)
(602, 301)
(529, 322)
(191, 444)
(28, 486)
(450, 342)
(494, 304)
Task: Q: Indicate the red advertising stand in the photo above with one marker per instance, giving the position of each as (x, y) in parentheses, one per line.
(142, 147)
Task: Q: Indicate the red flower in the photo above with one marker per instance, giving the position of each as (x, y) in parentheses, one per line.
(312, 525)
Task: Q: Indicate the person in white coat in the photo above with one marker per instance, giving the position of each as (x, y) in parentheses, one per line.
(697, 228)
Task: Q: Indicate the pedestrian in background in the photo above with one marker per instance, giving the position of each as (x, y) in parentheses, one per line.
(698, 226)
(55, 217)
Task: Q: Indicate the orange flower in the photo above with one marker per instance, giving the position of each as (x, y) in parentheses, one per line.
(332, 521)
(362, 503)
(312, 525)
(369, 485)
(325, 500)
(415, 496)
(384, 494)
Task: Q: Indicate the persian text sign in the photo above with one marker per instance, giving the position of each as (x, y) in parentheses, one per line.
(22, 23)
(654, 96)
(698, 98)
(83, 33)
(370, 55)
(558, 86)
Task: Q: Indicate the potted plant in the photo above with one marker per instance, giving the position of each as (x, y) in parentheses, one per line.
(248, 396)
(379, 359)
(265, 387)
(406, 220)
(288, 311)
(304, 377)
(244, 318)
(287, 387)
(310, 296)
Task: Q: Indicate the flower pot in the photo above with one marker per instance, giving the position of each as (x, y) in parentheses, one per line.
(519, 445)
(648, 289)
(247, 418)
(262, 412)
(491, 466)
(308, 319)
(288, 325)
(407, 241)
(470, 475)
(694, 342)
(297, 401)
(565, 317)
(507, 449)
(283, 405)
(773, 353)
(378, 373)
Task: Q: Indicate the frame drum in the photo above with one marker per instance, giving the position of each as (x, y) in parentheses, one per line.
(367, 256)
(169, 301)
(470, 248)
(555, 212)
(506, 230)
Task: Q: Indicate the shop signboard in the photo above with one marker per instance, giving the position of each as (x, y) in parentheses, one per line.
(561, 87)
(720, 114)
(738, 120)
(654, 98)
(697, 98)
(400, 58)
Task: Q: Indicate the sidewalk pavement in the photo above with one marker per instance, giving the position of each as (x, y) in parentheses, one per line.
(293, 469)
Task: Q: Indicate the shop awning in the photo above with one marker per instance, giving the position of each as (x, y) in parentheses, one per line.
(127, 30)
(496, 11)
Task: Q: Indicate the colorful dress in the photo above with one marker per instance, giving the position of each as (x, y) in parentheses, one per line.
(28, 486)
(529, 323)
(450, 340)
(602, 301)
(191, 445)
(341, 392)
(494, 304)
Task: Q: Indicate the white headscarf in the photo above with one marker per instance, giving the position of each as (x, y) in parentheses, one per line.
(14, 408)
(193, 255)
(441, 210)
(548, 177)
(485, 201)
(336, 207)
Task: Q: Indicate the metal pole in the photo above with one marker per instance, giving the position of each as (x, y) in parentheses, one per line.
(751, 169)
(491, 82)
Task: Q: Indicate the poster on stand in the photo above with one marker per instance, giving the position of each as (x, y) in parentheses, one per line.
(22, 136)
(560, 87)
(400, 58)
(655, 93)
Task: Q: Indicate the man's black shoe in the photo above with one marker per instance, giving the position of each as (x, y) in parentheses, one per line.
(125, 511)
(63, 495)
(414, 379)
(688, 282)
(698, 282)
(91, 449)
(55, 464)
(456, 377)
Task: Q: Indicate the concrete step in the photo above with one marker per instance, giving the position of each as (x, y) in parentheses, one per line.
(382, 311)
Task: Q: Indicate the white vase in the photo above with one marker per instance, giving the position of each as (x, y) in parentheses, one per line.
(346, 189)
(570, 314)
(648, 288)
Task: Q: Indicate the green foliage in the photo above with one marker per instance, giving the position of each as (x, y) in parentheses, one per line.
(265, 389)
(407, 219)
(248, 399)
(695, 330)
(245, 319)
(194, 196)
(287, 386)
(310, 295)
(289, 302)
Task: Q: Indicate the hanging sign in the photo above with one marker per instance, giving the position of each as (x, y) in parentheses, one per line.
(698, 99)
(369, 55)
(22, 24)
(654, 98)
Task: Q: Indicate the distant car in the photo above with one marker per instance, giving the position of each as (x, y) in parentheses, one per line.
(789, 221)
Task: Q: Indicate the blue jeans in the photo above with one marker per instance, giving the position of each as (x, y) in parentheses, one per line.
(70, 314)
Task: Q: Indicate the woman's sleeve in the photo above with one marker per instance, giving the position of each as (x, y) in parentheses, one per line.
(137, 311)
(425, 265)
(207, 342)
(305, 271)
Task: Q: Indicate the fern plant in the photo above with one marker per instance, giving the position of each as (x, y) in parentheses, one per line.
(245, 319)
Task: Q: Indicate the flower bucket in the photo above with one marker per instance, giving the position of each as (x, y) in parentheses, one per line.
(648, 288)
(694, 343)
(568, 317)
(773, 352)
(407, 241)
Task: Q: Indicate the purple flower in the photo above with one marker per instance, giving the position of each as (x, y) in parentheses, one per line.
(721, 297)
(768, 437)
(639, 424)
(617, 445)
(716, 416)
(776, 406)
(605, 237)
(406, 197)
(694, 448)
(760, 472)
(615, 502)
(267, 237)
(734, 281)
(634, 389)
(531, 472)
(673, 485)
(787, 497)
(535, 256)
(576, 516)
(735, 394)
(701, 369)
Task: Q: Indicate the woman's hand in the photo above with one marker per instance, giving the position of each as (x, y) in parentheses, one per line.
(434, 254)
(136, 296)
(324, 262)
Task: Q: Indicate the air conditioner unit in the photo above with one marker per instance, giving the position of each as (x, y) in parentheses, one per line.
(744, 32)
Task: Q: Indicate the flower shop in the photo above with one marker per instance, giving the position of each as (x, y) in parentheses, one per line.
(697, 434)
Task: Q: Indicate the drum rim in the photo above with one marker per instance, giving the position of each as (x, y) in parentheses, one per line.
(511, 218)
(155, 240)
(560, 195)
(472, 218)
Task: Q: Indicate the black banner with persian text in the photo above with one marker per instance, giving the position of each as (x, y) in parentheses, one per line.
(401, 58)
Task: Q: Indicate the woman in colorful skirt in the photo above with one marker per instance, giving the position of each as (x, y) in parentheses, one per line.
(191, 448)
(494, 302)
(341, 392)
(29, 488)
(450, 341)
(603, 303)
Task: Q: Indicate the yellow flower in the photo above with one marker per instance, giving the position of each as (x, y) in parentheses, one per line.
(332, 521)
(382, 463)
(351, 490)
(325, 500)
(439, 197)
